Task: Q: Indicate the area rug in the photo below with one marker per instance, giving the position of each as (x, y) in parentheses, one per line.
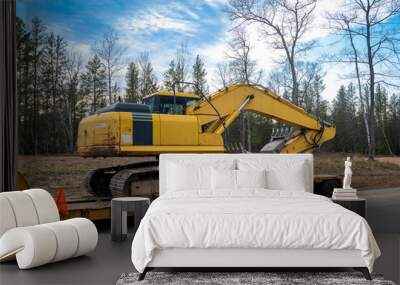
(273, 278)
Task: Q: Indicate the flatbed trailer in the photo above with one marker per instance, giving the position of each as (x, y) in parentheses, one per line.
(83, 204)
(92, 210)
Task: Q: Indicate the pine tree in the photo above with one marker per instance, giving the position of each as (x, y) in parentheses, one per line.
(344, 116)
(177, 70)
(148, 80)
(73, 105)
(132, 83)
(199, 76)
(24, 82)
(170, 76)
(94, 83)
(53, 75)
(382, 142)
(320, 106)
(38, 37)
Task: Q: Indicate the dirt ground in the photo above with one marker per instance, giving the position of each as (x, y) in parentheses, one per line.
(384, 172)
(67, 172)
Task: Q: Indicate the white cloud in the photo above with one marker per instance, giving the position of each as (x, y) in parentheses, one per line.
(183, 23)
(84, 49)
(180, 8)
(174, 18)
(216, 3)
(155, 22)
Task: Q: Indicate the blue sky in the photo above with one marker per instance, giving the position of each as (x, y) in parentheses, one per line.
(160, 26)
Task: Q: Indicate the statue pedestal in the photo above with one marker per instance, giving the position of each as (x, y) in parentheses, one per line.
(344, 194)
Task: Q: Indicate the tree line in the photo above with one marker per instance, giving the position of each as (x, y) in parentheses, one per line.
(56, 89)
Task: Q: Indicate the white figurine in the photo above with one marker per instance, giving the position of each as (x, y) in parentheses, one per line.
(347, 174)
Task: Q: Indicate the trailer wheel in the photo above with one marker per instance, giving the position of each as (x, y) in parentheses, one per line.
(326, 187)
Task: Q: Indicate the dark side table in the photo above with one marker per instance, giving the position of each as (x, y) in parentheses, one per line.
(357, 205)
(119, 212)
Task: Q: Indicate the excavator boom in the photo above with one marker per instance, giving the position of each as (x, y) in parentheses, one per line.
(219, 111)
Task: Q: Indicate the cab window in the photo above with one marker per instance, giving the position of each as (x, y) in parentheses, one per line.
(165, 104)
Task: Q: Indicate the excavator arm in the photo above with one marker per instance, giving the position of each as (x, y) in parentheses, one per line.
(218, 111)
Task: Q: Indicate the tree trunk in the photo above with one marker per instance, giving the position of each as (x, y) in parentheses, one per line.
(109, 86)
(363, 110)
(248, 132)
(371, 148)
(295, 90)
(242, 132)
(35, 111)
(385, 138)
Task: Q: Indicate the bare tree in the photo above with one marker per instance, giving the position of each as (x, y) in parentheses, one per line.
(111, 53)
(283, 22)
(69, 113)
(374, 50)
(243, 69)
(308, 74)
(341, 23)
(223, 74)
(241, 65)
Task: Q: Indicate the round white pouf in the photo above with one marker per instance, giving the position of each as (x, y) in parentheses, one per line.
(23, 208)
(67, 240)
(33, 246)
(45, 205)
(87, 235)
(7, 218)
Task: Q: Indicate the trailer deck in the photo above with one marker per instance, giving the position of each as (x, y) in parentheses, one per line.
(84, 204)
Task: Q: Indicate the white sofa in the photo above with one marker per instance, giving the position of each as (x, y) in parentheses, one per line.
(31, 231)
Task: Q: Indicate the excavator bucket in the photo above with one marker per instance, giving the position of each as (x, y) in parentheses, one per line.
(279, 137)
(235, 148)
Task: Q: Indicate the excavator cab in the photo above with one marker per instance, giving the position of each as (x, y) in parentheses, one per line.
(167, 102)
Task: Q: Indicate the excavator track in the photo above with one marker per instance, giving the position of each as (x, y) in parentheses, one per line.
(115, 181)
(135, 182)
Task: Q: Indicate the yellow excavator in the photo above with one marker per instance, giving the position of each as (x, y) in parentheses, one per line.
(174, 122)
